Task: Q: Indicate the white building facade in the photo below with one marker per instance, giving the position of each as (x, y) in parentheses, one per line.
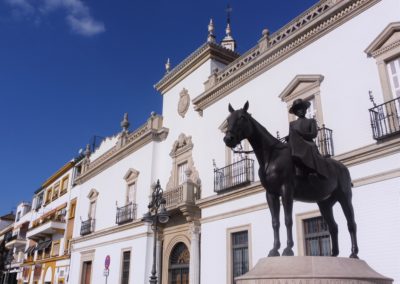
(336, 55)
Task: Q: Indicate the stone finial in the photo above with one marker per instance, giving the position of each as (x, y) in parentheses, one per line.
(125, 123)
(167, 66)
(278, 136)
(228, 42)
(211, 36)
(263, 43)
(87, 151)
(265, 32)
(371, 98)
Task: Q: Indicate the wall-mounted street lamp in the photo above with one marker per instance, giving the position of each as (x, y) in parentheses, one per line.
(157, 213)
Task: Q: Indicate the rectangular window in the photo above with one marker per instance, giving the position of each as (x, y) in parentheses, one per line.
(316, 237)
(92, 209)
(130, 198)
(394, 76)
(39, 200)
(48, 195)
(240, 253)
(56, 248)
(126, 261)
(86, 272)
(64, 185)
(72, 209)
(56, 191)
(181, 172)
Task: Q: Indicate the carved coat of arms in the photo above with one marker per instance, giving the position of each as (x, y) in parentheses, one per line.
(184, 101)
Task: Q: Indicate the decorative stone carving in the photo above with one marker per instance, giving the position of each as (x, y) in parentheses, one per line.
(184, 102)
(131, 175)
(183, 144)
(93, 194)
(181, 152)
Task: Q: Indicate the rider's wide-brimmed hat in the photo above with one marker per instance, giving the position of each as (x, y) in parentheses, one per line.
(299, 104)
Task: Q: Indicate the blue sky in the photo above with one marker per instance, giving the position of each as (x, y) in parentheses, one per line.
(69, 69)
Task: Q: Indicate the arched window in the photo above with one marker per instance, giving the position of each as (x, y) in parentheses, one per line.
(179, 265)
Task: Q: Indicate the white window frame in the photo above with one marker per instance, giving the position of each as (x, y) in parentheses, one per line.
(306, 87)
(229, 232)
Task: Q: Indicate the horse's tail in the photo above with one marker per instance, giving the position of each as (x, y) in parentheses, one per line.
(345, 181)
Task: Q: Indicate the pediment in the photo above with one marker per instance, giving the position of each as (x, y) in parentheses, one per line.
(93, 193)
(131, 174)
(299, 85)
(389, 36)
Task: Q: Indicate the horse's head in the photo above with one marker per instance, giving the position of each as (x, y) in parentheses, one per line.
(238, 126)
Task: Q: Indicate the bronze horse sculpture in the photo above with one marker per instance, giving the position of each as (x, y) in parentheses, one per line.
(277, 176)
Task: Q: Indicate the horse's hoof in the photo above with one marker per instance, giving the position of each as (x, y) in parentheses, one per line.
(354, 255)
(335, 253)
(273, 252)
(288, 252)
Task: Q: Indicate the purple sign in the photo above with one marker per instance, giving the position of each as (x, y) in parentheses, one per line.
(107, 262)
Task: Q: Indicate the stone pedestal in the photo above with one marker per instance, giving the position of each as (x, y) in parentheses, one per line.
(312, 270)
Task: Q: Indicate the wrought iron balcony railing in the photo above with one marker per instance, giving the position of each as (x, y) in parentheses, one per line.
(385, 119)
(234, 175)
(324, 141)
(125, 214)
(87, 227)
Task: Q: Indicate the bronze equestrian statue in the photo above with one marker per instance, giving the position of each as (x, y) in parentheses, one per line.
(278, 175)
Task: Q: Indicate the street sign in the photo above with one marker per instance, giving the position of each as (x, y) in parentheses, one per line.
(106, 272)
(107, 262)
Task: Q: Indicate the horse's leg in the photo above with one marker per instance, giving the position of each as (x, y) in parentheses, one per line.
(347, 206)
(274, 207)
(326, 209)
(287, 202)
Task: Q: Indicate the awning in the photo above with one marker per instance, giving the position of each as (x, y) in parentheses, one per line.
(30, 249)
(43, 245)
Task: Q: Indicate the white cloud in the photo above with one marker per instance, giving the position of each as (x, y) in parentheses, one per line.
(85, 26)
(78, 15)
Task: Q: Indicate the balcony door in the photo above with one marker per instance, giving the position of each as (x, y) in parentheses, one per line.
(179, 265)
(86, 272)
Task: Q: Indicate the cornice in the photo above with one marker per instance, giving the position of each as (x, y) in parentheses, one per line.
(369, 152)
(213, 200)
(58, 174)
(303, 30)
(385, 49)
(109, 231)
(149, 132)
(208, 50)
(376, 47)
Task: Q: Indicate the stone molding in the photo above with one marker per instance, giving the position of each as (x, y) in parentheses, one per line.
(108, 231)
(369, 152)
(208, 50)
(151, 131)
(308, 27)
(395, 173)
(378, 46)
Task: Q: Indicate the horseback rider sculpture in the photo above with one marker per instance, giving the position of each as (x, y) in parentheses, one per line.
(305, 153)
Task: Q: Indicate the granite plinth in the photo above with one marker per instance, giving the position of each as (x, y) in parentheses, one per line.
(312, 270)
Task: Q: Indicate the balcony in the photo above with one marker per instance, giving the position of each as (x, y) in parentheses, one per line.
(46, 226)
(87, 227)
(16, 241)
(125, 214)
(385, 119)
(234, 175)
(186, 193)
